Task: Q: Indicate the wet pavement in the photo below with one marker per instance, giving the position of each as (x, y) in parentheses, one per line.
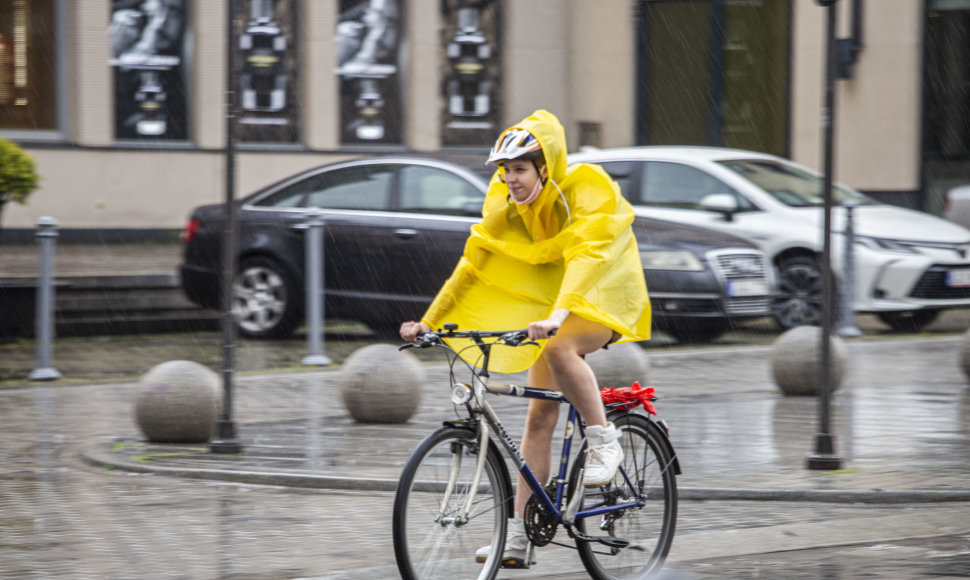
(82, 495)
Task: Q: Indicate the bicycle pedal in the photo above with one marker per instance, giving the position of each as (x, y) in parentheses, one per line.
(610, 541)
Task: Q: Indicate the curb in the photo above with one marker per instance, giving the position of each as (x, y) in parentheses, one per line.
(99, 457)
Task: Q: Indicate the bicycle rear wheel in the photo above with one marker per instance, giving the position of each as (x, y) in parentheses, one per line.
(431, 540)
(649, 472)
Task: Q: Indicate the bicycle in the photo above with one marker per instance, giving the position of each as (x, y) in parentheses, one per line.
(455, 493)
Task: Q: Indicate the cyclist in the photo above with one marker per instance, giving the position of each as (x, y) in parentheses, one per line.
(553, 252)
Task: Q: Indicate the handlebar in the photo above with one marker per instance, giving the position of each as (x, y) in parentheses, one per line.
(431, 338)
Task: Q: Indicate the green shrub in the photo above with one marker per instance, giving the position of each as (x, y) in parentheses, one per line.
(17, 176)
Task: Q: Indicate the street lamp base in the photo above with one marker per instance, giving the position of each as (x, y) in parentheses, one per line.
(226, 441)
(824, 462)
(824, 457)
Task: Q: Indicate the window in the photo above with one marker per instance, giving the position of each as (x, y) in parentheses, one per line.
(148, 48)
(370, 48)
(366, 188)
(681, 186)
(268, 72)
(623, 173)
(714, 72)
(791, 185)
(430, 190)
(28, 64)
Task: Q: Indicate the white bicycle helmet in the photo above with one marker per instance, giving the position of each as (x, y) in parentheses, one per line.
(514, 144)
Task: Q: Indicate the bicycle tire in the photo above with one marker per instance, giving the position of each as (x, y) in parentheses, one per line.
(650, 528)
(427, 548)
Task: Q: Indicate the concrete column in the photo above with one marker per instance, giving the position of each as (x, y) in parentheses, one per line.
(422, 77)
(320, 86)
(535, 57)
(602, 70)
(90, 77)
(207, 105)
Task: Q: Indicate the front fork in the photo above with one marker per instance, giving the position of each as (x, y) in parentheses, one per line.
(456, 459)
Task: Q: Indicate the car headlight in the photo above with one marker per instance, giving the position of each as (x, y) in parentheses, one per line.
(885, 245)
(670, 260)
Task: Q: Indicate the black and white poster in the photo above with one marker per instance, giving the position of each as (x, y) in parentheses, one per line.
(148, 39)
(471, 71)
(369, 48)
(268, 109)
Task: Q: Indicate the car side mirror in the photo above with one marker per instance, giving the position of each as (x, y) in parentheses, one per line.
(723, 203)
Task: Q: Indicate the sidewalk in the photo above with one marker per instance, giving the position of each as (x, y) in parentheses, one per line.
(901, 421)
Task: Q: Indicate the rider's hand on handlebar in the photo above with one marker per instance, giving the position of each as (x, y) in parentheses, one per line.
(543, 329)
(410, 329)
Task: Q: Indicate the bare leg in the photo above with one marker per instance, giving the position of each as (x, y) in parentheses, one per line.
(540, 425)
(561, 367)
(563, 354)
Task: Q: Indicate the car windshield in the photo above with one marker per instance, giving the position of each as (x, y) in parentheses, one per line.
(791, 185)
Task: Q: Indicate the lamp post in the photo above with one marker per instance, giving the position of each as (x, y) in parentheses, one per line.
(824, 456)
(225, 440)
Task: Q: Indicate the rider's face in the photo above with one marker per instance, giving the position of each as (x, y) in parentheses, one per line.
(521, 177)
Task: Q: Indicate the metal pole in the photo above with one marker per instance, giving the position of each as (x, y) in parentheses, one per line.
(824, 456)
(847, 326)
(225, 440)
(44, 324)
(315, 289)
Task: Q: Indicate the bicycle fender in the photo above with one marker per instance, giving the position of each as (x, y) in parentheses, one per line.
(506, 481)
(675, 462)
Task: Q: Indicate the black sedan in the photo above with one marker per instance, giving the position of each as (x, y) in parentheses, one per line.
(394, 229)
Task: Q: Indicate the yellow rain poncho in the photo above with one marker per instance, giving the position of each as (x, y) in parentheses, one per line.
(572, 250)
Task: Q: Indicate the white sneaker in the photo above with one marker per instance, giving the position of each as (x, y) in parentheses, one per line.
(519, 553)
(603, 455)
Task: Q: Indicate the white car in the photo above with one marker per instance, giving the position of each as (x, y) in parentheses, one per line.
(909, 265)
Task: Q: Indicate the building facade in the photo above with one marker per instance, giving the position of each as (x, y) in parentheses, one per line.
(123, 103)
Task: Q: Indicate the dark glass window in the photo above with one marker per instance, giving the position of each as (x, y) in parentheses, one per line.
(367, 188)
(28, 64)
(948, 81)
(682, 186)
(623, 172)
(431, 190)
(269, 107)
(714, 72)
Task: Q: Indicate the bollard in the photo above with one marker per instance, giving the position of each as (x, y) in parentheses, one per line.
(847, 325)
(314, 292)
(44, 325)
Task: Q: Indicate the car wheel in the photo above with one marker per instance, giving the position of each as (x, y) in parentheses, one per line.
(798, 295)
(264, 299)
(688, 331)
(908, 320)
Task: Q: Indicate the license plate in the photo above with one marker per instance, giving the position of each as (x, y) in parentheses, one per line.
(754, 287)
(956, 278)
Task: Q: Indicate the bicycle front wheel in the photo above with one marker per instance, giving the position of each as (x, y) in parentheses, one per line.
(646, 478)
(435, 533)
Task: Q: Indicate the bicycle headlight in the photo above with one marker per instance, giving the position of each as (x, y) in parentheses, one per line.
(670, 260)
(460, 393)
